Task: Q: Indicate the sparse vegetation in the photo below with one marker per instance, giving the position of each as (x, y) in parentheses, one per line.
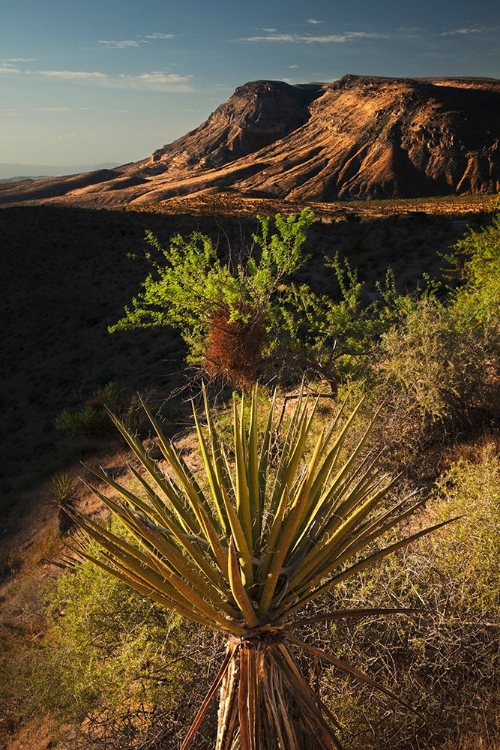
(62, 493)
(91, 420)
(445, 661)
(246, 555)
(434, 357)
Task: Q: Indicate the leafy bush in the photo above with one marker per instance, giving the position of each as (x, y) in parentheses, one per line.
(445, 355)
(248, 317)
(443, 659)
(221, 307)
(119, 668)
(476, 258)
(333, 336)
(91, 420)
(441, 363)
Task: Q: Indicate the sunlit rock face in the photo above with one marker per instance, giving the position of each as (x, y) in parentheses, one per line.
(356, 138)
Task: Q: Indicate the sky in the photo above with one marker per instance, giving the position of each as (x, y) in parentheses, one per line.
(100, 81)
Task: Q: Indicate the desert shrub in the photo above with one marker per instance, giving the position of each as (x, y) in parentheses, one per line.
(444, 659)
(119, 668)
(440, 362)
(62, 493)
(248, 317)
(476, 259)
(91, 420)
(444, 355)
(335, 335)
(191, 288)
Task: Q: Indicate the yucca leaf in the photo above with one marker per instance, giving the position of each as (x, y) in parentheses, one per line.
(239, 540)
(199, 505)
(342, 528)
(242, 490)
(349, 614)
(283, 497)
(124, 491)
(161, 599)
(137, 569)
(331, 457)
(358, 567)
(349, 546)
(157, 573)
(376, 526)
(199, 558)
(176, 563)
(287, 447)
(285, 541)
(252, 471)
(238, 589)
(341, 665)
(218, 475)
(156, 474)
(264, 457)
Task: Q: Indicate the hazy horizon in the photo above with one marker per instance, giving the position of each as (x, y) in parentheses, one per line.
(9, 170)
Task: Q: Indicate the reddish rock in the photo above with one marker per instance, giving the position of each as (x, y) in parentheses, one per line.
(356, 138)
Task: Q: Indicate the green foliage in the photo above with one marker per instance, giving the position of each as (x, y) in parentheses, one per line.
(445, 354)
(105, 651)
(191, 289)
(470, 554)
(334, 336)
(62, 493)
(107, 643)
(437, 368)
(477, 259)
(62, 487)
(190, 283)
(91, 420)
(447, 652)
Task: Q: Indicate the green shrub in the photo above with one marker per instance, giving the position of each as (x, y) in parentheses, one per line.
(91, 420)
(248, 317)
(476, 258)
(440, 362)
(443, 660)
(119, 668)
(445, 355)
(62, 493)
(221, 307)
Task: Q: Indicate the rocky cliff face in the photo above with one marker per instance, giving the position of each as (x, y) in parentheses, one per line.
(257, 115)
(359, 137)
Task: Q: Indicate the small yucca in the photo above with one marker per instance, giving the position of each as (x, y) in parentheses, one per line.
(244, 555)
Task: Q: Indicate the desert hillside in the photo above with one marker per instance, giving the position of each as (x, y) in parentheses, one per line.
(356, 138)
(67, 273)
(87, 664)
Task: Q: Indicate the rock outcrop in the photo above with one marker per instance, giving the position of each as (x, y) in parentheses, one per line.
(358, 137)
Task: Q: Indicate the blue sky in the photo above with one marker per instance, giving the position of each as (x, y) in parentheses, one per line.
(113, 80)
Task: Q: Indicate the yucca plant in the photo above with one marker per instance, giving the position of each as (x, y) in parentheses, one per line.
(242, 550)
(62, 494)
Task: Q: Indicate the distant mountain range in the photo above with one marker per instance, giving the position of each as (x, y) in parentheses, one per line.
(356, 138)
(13, 172)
